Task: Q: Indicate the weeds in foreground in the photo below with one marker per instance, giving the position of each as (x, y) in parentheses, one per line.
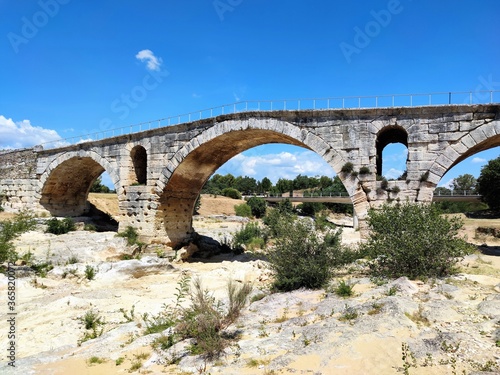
(93, 324)
(344, 289)
(95, 360)
(205, 320)
(90, 272)
(10, 229)
(132, 236)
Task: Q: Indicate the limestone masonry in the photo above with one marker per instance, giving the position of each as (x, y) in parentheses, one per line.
(159, 173)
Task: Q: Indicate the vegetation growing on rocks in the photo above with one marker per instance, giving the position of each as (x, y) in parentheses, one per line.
(23, 222)
(414, 240)
(56, 226)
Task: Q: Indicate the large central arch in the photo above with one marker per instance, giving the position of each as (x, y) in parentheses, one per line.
(190, 168)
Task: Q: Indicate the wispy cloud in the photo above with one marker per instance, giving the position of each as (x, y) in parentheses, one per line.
(22, 134)
(152, 62)
(478, 160)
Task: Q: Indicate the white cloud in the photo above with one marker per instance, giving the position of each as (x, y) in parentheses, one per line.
(478, 160)
(279, 165)
(22, 134)
(152, 62)
(393, 174)
(447, 184)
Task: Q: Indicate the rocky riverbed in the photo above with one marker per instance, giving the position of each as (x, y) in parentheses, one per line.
(444, 326)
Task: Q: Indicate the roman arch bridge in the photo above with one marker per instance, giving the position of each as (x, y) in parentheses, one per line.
(159, 173)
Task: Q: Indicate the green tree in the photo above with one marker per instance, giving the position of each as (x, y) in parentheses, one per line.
(325, 182)
(488, 184)
(283, 185)
(98, 187)
(413, 240)
(247, 185)
(266, 184)
(231, 193)
(464, 183)
(258, 206)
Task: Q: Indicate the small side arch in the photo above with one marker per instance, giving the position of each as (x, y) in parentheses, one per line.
(387, 135)
(66, 182)
(139, 171)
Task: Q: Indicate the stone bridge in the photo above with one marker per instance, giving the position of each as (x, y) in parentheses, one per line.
(159, 173)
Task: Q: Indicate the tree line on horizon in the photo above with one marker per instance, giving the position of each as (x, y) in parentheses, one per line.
(218, 184)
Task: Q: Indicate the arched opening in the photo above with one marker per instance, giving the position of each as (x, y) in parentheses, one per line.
(395, 139)
(139, 165)
(66, 190)
(177, 200)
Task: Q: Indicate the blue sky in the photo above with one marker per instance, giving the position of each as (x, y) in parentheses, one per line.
(73, 67)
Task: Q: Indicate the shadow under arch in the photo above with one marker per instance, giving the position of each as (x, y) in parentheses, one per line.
(67, 181)
(193, 165)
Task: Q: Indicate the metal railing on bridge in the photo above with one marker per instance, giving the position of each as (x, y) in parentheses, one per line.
(348, 102)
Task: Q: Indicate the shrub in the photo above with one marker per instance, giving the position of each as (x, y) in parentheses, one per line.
(56, 226)
(24, 221)
(347, 167)
(258, 206)
(424, 177)
(243, 210)
(205, 320)
(94, 326)
(413, 240)
(300, 258)
(274, 218)
(90, 272)
(131, 235)
(311, 208)
(248, 234)
(384, 183)
(364, 170)
(231, 193)
(344, 289)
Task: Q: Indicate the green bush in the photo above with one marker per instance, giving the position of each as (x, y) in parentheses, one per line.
(301, 258)
(249, 234)
(24, 221)
(231, 193)
(243, 210)
(56, 226)
(258, 206)
(90, 272)
(344, 289)
(364, 170)
(413, 240)
(347, 167)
